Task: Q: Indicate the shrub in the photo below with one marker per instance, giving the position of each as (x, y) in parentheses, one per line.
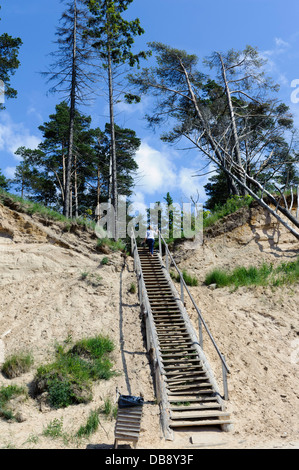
(231, 205)
(91, 426)
(109, 409)
(54, 428)
(112, 245)
(285, 273)
(132, 289)
(17, 365)
(68, 380)
(189, 280)
(6, 394)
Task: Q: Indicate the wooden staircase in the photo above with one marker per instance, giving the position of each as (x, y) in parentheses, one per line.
(191, 395)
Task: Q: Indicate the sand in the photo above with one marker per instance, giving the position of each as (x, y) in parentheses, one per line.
(45, 300)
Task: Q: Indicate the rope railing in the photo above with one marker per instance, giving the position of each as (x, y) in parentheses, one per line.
(168, 261)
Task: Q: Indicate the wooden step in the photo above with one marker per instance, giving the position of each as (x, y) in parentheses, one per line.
(194, 393)
(195, 385)
(204, 422)
(199, 414)
(191, 399)
(190, 372)
(195, 406)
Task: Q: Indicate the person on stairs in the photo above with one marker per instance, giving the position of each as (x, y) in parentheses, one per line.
(150, 239)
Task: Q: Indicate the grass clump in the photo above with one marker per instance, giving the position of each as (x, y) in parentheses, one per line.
(91, 425)
(231, 205)
(54, 428)
(7, 393)
(266, 274)
(17, 365)
(109, 410)
(68, 380)
(108, 243)
(91, 279)
(189, 280)
(31, 207)
(132, 289)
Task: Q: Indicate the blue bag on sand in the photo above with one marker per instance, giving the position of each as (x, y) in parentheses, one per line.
(127, 400)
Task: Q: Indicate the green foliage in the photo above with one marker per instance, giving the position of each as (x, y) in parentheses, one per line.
(229, 207)
(31, 208)
(113, 245)
(91, 279)
(7, 393)
(113, 35)
(283, 274)
(9, 63)
(54, 428)
(4, 182)
(17, 365)
(109, 410)
(189, 280)
(132, 289)
(91, 425)
(68, 380)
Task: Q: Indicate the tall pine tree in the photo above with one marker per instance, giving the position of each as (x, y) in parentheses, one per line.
(113, 38)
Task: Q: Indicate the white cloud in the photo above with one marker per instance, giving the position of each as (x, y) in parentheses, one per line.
(14, 135)
(281, 43)
(138, 204)
(163, 171)
(156, 170)
(9, 172)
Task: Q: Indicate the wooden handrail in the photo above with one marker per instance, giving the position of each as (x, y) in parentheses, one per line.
(225, 369)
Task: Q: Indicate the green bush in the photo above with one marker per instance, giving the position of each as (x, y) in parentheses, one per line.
(7, 393)
(189, 280)
(17, 365)
(232, 205)
(132, 289)
(68, 380)
(91, 426)
(31, 207)
(285, 273)
(113, 245)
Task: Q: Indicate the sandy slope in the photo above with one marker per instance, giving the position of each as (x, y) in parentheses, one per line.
(45, 300)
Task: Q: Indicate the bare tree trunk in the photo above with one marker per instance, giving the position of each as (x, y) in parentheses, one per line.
(63, 174)
(76, 189)
(98, 190)
(236, 150)
(113, 146)
(67, 203)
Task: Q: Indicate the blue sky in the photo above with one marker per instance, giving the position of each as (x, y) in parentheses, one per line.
(197, 26)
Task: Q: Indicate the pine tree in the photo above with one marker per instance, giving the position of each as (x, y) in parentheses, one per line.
(72, 75)
(9, 49)
(113, 40)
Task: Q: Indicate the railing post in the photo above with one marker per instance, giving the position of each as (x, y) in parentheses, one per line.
(224, 375)
(182, 288)
(167, 260)
(200, 332)
(160, 244)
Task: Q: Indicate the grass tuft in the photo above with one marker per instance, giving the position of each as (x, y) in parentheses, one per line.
(17, 365)
(7, 393)
(266, 274)
(189, 280)
(91, 425)
(68, 380)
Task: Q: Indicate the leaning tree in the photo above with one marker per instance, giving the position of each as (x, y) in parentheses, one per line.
(221, 133)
